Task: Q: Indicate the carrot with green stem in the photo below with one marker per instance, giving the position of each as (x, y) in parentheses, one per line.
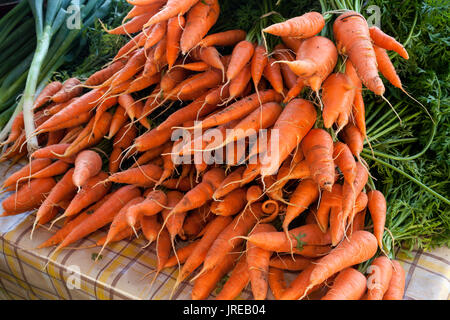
(351, 32)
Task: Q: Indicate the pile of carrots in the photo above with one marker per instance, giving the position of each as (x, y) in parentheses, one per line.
(223, 215)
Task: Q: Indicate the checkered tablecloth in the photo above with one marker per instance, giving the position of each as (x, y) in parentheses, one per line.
(27, 273)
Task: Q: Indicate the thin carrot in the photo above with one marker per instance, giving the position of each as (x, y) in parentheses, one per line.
(132, 26)
(182, 254)
(230, 183)
(231, 204)
(55, 169)
(46, 93)
(31, 168)
(353, 138)
(241, 55)
(258, 63)
(287, 262)
(16, 129)
(101, 76)
(377, 209)
(387, 42)
(226, 38)
(345, 161)
(150, 227)
(172, 8)
(272, 72)
(118, 120)
(144, 176)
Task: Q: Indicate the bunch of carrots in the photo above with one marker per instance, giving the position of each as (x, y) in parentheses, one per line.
(225, 215)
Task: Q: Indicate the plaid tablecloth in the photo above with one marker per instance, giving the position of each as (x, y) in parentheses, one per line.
(27, 273)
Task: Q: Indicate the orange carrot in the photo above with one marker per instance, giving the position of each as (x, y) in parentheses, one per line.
(46, 94)
(304, 195)
(237, 281)
(55, 169)
(258, 264)
(231, 204)
(287, 262)
(289, 77)
(226, 38)
(119, 119)
(134, 64)
(359, 247)
(293, 124)
(175, 27)
(144, 176)
(156, 34)
(172, 8)
(387, 42)
(241, 55)
(358, 109)
(379, 278)
(329, 199)
(101, 76)
(207, 281)
(102, 216)
(182, 255)
(377, 208)
(318, 150)
(227, 240)
(33, 167)
(16, 129)
(351, 192)
(386, 67)
(28, 197)
(152, 139)
(132, 26)
(150, 227)
(396, 287)
(87, 165)
(68, 227)
(353, 138)
(70, 89)
(353, 39)
(316, 59)
(92, 191)
(258, 63)
(338, 95)
(277, 282)
(199, 19)
(343, 158)
(304, 26)
(272, 72)
(240, 82)
(350, 284)
(292, 43)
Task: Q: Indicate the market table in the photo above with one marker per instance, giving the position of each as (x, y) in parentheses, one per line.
(27, 273)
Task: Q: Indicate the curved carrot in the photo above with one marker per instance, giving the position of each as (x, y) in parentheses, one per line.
(387, 42)
(258, 63)
(46, 93)
(232, 203)
(31, 168)
(241, 55)
(379, 278)
(70, 89)
(237, 281)
(172, 8)
(277, 283)
(226, 38)
(175, 27)
(345, 161)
